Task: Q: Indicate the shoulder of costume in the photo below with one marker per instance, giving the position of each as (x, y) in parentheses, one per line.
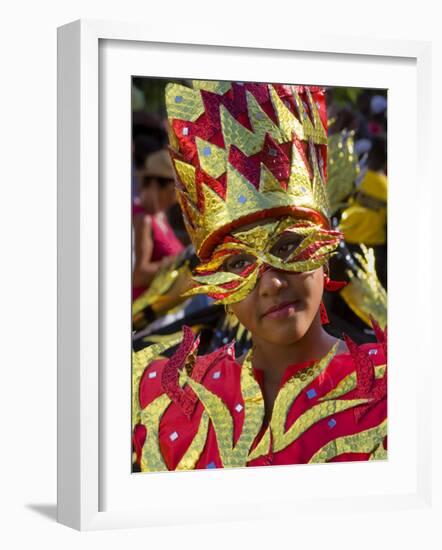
(376, 351)
(361, 367)
(362, 372)
(169, 375)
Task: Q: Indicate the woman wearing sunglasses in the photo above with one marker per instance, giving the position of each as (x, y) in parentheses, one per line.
(155, 243)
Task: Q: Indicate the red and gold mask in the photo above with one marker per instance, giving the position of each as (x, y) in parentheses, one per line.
(287, 244)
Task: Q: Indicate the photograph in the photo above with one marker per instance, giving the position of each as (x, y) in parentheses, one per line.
(230, 208)
(259, 274)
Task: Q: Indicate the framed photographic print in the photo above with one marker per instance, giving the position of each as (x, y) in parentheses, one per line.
(223, 277)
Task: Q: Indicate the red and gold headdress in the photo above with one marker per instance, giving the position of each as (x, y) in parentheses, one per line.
(246, 152)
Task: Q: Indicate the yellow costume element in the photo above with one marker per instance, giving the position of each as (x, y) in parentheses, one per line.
(365, 295)
(365, 220)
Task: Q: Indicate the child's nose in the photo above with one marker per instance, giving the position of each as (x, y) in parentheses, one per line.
(272, 282)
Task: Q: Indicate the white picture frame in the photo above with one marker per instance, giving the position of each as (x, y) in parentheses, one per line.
(95, 489)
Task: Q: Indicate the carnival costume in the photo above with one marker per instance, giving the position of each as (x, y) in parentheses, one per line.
(247, 153)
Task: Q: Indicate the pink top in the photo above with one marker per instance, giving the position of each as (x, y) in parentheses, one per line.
(165, 242)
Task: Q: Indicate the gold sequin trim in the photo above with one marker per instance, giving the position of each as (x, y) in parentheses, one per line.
(363, 442)
(379, 453)
(235, 133)
(213, 159)
(140, 361)
(348, 384)
(262, 448)
(186, 174)
(313, 415)
(288, 123)
(215, 86)
(151, 458)
(261, 122)
(193, 453)
(288, 394)
(234, 455)
(183, 103)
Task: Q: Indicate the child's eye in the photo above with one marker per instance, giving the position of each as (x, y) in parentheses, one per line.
(285, 247)
(237, 263)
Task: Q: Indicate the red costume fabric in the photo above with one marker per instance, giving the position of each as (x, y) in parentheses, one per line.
(334, 409)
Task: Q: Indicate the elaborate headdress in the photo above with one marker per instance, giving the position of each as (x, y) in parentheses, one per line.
(246, 152)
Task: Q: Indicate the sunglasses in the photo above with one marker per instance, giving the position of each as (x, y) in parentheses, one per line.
(162, 182)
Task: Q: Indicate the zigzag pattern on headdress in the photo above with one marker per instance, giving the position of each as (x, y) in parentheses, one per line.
(245, 151)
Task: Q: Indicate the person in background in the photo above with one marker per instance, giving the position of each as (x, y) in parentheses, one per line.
(377, 123)
(155, 243)
(148, 136)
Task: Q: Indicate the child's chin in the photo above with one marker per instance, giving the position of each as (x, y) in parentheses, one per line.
(285, 335)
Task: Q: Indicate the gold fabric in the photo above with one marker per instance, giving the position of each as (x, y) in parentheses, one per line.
(193, 453)
(366, 441)
(151, 458)
(348, 383)
(262, 448)
(278, 435)
(234, 454)
(140, 361)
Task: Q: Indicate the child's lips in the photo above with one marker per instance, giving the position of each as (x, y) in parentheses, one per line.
(282, 310)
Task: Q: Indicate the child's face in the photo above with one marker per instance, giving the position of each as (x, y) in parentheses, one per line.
(300, 294)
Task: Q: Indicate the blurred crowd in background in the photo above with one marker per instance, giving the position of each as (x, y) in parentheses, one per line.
(159, 235)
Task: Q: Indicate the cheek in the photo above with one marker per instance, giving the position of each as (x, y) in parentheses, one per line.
(313, 286)
(245, 310)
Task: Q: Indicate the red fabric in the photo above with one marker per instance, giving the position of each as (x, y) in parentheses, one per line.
(165, 242)
(226, 385)
(323, 313)
(183, 397)
(333, 286)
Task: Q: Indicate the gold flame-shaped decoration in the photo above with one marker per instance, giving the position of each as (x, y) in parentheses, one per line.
(244, 152)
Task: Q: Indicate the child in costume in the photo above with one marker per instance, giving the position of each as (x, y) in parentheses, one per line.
(250, 161)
